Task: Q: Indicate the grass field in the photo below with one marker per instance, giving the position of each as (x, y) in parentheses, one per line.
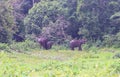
(60, 63)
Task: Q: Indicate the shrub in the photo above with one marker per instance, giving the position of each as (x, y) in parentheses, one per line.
(27, 45)
(112, 40)
(4, 47)
(116, 67)
(117, 55)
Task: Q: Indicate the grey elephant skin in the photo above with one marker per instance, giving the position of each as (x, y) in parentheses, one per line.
(45, 43)
(77, 43)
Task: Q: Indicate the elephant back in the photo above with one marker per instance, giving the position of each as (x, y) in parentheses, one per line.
(82, 41)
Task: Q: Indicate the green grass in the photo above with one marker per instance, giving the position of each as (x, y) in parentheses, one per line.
(60, 63)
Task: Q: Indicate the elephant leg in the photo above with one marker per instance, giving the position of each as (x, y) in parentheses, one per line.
(49, 47)
(72, 48)
(43, 45)
(46, 46)
(80, 48)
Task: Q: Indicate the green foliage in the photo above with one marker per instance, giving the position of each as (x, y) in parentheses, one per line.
(7, 24)
(112, 40)
(4, 47)
(94, 20)
(117, 55)
(59, 64)
(26, 46)
(116, 66)
(41, 14)
(60, 47)
(56, 31)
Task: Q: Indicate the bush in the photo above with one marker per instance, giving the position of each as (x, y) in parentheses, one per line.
(4, 47)
(28, 45)
(116, 67)
(112, 40)
(117, 55)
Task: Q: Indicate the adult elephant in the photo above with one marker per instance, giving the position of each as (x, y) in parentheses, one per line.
(77, 43)
(44, 42)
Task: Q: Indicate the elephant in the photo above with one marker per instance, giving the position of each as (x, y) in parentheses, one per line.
(77, 43)
(45, 43)
(49, 44)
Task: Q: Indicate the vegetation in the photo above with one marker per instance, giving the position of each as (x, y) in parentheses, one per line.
(7, 24)
(95, 20)
(59, 63)
(21, 21)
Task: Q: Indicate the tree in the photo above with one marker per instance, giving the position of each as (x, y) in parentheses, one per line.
(41, 14)
(92, 19)
(57, 30)
(20, 10)
(7, 22)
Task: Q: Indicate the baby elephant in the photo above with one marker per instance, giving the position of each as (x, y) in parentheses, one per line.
(77, 43)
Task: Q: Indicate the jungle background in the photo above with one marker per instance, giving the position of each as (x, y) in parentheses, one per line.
(60, 20)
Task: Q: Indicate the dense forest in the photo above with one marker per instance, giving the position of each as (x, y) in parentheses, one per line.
(61, 20)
